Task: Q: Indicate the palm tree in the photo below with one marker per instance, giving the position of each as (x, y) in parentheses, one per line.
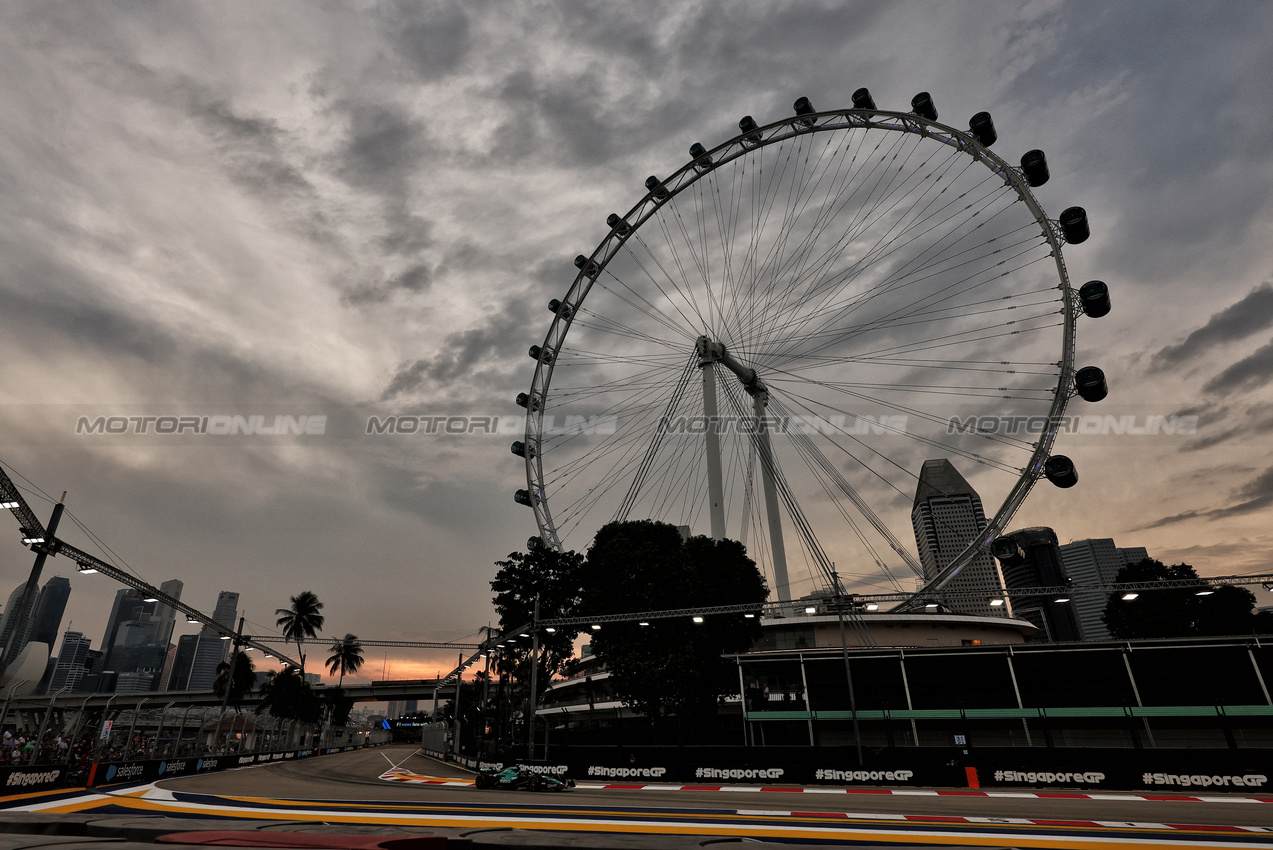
(243, 681)
(346, 657)
(301, 620)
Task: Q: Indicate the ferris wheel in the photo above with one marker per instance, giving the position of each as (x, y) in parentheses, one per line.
(770, 344)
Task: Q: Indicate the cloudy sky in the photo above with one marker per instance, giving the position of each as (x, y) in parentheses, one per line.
(340, 208)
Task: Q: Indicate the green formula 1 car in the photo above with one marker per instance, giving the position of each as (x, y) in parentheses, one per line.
(521, 778)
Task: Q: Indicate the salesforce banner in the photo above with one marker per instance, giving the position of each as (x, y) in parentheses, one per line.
(110, 773)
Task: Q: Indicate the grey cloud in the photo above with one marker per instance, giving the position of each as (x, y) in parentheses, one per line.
(1250, 315)
(1255, 495)
(1144, 66)
(492, 344)
(416, 280)
(431, 40)
(383, 147)
(1248, 373)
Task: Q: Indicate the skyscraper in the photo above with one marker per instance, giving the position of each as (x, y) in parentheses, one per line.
(11, 609)
(947, 516)
(129, 605)
(1036, 562)
(50, 605)
(166, 614)
(211, 650)
(176, 675)
(71, 660)
(1096, 561)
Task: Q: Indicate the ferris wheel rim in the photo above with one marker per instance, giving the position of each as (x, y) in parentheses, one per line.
(743, 145)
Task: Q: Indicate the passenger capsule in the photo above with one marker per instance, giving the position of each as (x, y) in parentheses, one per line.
(862, 99)
(1035, 167)
(541, 354)
(1094, 296)
(922, 105)
(1089, 383)
(522, 497)
(523, 400)
(534, 544)
(749, 127)
(804, 108)
(618, 224)
(521, 450)
(1059, 469)
(1007, 552)
(554, 305)
(982, 127)
(586, 265)
(1074, 225)
(655, 186)
(702, 159)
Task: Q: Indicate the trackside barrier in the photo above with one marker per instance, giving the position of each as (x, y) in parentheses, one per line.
(110, 773)
(21, 780)
(1173, 770)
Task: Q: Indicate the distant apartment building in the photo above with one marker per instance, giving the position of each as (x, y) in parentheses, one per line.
(1096, 561)
(947, 516)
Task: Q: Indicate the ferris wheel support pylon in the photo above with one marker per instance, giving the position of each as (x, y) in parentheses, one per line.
(715, 483)
(710, 353)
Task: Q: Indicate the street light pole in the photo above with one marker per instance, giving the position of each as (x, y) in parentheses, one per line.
(41, 549)
(229, 680)
(534, 681)
(848, 673)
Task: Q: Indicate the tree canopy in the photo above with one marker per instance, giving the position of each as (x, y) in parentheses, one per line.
(1180, 611)
(556, 578)
(671, 666)
(286, 694)
(243, 681)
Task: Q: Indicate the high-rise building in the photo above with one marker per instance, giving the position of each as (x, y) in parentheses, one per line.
(211, 650)
(50, 605)
(1096, 562)
(1036, 562)
(176, 675)
(947, 517)
(166, 614)
(129, 605)
(11, 610)
(71, 662)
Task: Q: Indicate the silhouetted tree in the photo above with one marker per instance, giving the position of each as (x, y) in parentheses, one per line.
(301, 620)
(243, 681)
(671, 666)
(1180, 611)
(555, 577)
(346, 657)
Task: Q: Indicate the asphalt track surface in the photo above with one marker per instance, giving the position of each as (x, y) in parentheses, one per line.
(348, 788)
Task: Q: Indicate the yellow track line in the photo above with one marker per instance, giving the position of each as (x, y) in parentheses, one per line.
(890, 835)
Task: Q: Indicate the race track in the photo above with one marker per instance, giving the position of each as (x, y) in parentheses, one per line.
(363, 788)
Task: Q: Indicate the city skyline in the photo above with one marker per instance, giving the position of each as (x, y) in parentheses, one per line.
(219, 211)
